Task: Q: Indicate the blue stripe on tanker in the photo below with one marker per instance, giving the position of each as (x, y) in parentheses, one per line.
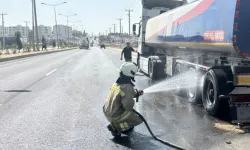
(212, 19)
(210, 25)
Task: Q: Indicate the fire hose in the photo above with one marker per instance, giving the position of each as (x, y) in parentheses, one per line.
(149, 129)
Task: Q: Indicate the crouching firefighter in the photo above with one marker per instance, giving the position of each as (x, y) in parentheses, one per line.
(119, 103)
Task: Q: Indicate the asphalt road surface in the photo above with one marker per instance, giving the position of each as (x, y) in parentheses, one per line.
(55, 102)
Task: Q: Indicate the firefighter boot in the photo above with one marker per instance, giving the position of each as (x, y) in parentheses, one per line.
(113, 131)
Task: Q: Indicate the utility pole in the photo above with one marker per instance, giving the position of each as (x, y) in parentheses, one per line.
(110, 30)
(27, 30)
(33, 27)
(37, 39)
(68, 29)
(114, 27)
(3, 36)
(120, 20)
(129, 18)
(106, 32)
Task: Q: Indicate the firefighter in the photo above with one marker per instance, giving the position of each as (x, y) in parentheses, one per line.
(127, 51)
(119, 103)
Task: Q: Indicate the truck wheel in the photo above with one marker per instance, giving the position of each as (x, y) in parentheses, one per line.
(210, 93)
(152, 70)
(178, 89)
(194, 92)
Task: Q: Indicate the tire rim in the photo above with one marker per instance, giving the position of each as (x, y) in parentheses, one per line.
(210, 92)
(150, 69)
(178, 87)
(192, 90)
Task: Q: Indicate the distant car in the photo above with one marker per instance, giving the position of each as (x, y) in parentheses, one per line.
(84, 43)
(84, 46)
(102, 46)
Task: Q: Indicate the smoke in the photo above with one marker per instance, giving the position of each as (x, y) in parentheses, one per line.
(182, 81)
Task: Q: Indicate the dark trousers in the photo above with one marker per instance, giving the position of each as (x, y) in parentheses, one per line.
(128, 59)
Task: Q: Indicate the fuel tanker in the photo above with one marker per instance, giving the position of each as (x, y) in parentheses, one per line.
(208, 38)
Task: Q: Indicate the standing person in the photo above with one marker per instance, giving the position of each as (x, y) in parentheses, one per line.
(119, 103)
(44, 44)
(127, 51)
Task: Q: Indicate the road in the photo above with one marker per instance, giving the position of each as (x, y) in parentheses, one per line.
(55, 101)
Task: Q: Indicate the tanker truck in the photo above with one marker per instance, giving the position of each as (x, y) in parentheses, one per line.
(210, 38)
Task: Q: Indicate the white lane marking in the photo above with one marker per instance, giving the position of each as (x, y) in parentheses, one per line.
(69, 61)
(51, 72)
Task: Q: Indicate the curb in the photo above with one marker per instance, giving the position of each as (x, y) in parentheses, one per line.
(24, 56)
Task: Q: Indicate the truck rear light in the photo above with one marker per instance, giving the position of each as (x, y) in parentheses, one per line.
(246, 54)
(234, 38)
(238, 4)
(243, 79)
(237, 14)
(235, 26)
(240, 98)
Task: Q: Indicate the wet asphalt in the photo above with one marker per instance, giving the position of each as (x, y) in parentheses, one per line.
(55, 102)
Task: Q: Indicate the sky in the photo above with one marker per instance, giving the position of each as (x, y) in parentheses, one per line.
(95, 15)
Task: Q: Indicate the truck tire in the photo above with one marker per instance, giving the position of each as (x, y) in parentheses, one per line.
(213, 86)
(194, 92)
(178, 89)
(152, 69)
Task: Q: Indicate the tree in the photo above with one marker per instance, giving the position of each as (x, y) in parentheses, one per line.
(18, 40)
(44, 44)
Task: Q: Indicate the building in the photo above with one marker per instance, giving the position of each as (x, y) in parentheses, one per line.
(10, 31)
(62, 31)
(45, 31)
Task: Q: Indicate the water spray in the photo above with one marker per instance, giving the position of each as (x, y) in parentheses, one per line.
(182, 81)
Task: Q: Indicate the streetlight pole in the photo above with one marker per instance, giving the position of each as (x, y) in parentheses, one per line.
(54, 5)
(68, 23)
